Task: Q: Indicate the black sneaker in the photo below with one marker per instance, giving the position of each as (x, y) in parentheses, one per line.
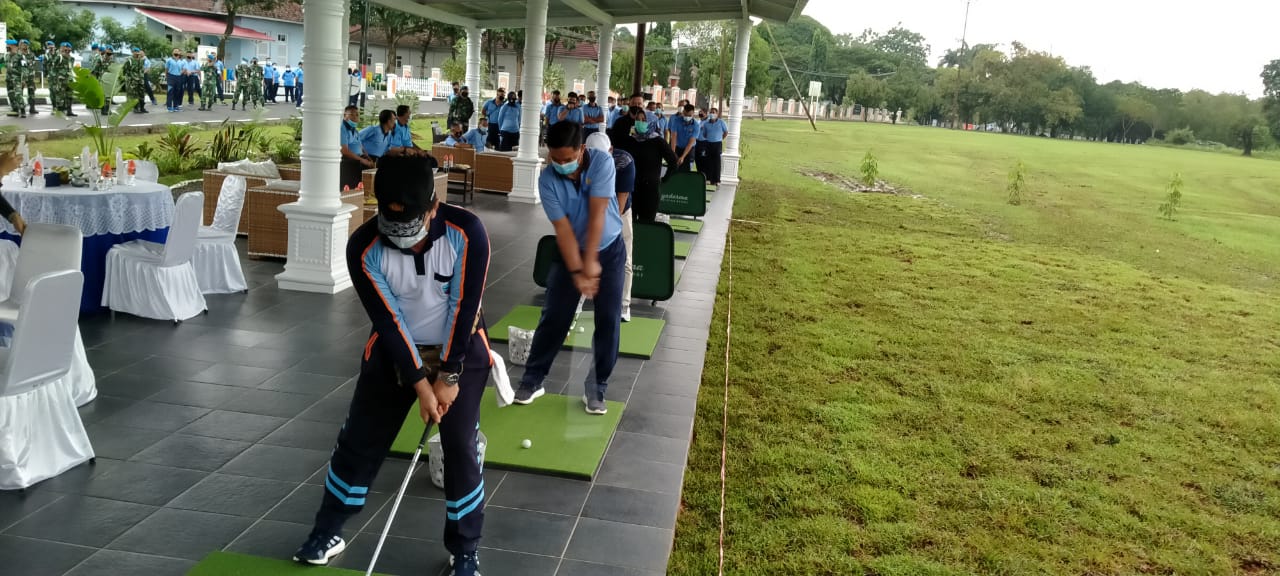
(319, 549)
(526, 396)
(465, 565)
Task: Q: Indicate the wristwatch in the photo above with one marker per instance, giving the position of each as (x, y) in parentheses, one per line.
(450, 378)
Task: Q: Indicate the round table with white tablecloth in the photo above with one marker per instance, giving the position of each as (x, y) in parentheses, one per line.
(142, 211)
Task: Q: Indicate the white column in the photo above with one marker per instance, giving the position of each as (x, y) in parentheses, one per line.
(738, 86)
(318, 220)
(527, 164)
(474, 81)
(605, 66)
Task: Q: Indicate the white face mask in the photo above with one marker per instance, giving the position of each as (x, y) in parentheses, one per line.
(402, 234)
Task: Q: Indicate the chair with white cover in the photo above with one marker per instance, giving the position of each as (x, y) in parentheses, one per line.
(47, 248)
(158, 281)
(41, 435)
(146, 171)
(216, 260)
(8, 261)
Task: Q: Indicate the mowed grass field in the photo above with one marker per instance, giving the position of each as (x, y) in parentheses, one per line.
(948, 384)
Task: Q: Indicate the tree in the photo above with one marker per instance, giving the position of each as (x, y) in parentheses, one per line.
(17, 20)
(900, 42)
(1133, 110)
(234, 7)
(587, 72)
(553, 77)
(865, 90)
(567, 39)
(390, 25)
(1271, 96)
(137, 34)
(55, 20)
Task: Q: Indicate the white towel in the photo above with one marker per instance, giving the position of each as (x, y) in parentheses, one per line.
(501, 382)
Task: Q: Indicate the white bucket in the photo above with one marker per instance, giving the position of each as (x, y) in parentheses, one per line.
(519, 341)
(435, 456)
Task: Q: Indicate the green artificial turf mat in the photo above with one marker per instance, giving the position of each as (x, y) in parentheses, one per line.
(232, 564)
(682, 249)
(566, 440)
(686, 226)
(639, 337)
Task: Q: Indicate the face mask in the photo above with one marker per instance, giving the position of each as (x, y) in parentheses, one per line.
(566, 169)
(484, 131)
(642, 127)
(712, 117)
(404, 235)
(350, 124)
(591, 100)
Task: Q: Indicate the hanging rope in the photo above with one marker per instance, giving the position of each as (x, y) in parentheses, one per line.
(800, 97)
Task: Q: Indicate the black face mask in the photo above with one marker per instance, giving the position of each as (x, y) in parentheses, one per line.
(591, 100)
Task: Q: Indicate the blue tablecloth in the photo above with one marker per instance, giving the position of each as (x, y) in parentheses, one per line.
(93, 261)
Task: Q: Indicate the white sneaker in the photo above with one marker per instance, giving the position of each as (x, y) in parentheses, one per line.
(626, 314)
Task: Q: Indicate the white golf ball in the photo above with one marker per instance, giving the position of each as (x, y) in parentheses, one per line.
(527, 443)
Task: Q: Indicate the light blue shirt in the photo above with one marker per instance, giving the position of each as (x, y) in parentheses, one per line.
(617, 113)
(191, 66)
(713, 131)
(685, 129)
(173, 67)
(509, 119)
(473, 138)
(401, 137)
(268, 73)
(564, 198)
(298, 72)
(350, 138)
(491, 108)
(576, 116)
(374, 141)
(591, 110)
(288, 78)
(552, 112)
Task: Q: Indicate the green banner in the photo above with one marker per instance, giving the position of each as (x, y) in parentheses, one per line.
(653, 261)
(685, 194)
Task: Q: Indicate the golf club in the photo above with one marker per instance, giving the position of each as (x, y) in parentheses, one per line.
(399, 495)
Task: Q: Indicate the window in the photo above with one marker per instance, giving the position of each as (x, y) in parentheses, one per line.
(282, 38)
(262, 50)
(399, 61)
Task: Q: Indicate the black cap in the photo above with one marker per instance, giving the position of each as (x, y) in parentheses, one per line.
(404, 187)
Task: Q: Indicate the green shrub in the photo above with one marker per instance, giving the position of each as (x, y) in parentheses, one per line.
(233, 142)
(1172, 197)
(285, 151)
(1017, 183)
(1180, 136)
(870, 169)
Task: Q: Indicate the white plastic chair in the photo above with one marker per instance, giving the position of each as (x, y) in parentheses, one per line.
(158, 281)
(146, 171)
(41, 435)
(47, 248)
(217, 261)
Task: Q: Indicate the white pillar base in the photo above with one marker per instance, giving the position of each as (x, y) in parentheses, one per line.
(524, 181)
(729, 171)
(317, 248)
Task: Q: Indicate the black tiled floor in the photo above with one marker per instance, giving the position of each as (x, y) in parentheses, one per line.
(226, 422)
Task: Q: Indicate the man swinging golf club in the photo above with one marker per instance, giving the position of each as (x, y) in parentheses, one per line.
(419, 268)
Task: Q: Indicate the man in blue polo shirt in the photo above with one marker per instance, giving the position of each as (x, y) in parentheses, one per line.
(578, 192)
(490, 110)
(376, 140)
(684, 129)
(570, 112)
(509, 123)
(175, 80)
(711, 139)
(354, 160)
(297, 90)
(473, 138)
(402, 136)
(593, 114)
(552, 109)
(191, 81)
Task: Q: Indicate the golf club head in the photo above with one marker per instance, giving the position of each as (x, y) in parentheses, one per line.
(501, 382)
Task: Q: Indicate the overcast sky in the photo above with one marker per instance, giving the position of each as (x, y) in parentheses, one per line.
(1219, 46)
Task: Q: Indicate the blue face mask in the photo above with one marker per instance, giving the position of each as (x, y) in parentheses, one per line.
(350, 124)
(565, 169)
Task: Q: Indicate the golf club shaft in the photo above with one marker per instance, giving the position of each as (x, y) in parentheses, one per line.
(404, 486)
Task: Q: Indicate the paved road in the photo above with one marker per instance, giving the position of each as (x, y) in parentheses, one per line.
(46, 121)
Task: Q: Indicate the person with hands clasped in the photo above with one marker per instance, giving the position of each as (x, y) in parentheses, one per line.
(419, 269)
(578, 194)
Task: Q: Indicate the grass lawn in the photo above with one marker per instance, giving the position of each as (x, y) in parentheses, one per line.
(1069, 386)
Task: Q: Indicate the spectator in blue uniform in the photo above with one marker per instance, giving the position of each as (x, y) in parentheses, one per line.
(473, 138)
(593, 114)
(711, 137)
(354, 160)
(570, 112)
(490, 110)
(376, 140)
(509, 123)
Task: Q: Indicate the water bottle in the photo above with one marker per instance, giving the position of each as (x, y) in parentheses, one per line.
(37, 174)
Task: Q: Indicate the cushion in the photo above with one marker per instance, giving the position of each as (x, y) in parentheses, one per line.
(266, 169)
(284, 185)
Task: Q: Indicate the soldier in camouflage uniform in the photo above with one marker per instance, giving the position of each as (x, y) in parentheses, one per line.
(10, 78)
(255, 84)
(60, 72)
(135, 85)
(242, 85)
(209, 87)
(27, 80)
(100, 67)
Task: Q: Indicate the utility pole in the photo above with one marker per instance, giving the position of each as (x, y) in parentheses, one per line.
(964, 34)
(364, 46)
